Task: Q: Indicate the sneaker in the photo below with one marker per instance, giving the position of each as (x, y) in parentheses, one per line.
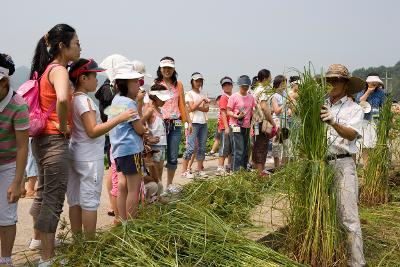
(221, 171)
(6, 261)
(187, 174)
(173, 189)
(35, 244)
(201, 174)
(45, 263)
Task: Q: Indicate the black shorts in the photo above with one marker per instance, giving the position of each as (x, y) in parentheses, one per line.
(131, 164)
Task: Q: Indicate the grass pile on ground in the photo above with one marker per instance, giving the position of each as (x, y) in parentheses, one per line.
(314, 231)
(376, 173)
(230, 197)
(172, 235)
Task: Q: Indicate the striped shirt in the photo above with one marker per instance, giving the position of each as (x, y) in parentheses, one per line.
(14, 116)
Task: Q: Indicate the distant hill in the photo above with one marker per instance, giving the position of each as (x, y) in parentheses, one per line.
(20, 76)
(392, 72)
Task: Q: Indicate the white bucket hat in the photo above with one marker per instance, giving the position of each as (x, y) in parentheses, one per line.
(140, 67)
(110, 62)
(374, 79)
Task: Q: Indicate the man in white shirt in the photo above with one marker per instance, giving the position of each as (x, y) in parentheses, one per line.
(344, 118)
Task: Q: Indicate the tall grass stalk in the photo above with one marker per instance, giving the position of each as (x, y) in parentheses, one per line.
(314, 230)
(376, 174)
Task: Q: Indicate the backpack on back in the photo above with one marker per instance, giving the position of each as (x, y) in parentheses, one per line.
(30, 93)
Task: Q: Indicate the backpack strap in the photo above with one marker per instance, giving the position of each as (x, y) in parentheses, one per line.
(49, 68)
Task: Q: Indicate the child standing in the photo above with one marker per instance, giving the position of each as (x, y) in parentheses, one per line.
(87, 148)
(225, 149)
(240, 110)
(153, 116)
(127, 142)
(198, 105)
(14, 124)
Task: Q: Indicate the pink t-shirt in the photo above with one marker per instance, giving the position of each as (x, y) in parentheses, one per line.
(170, 110)
(236, 103)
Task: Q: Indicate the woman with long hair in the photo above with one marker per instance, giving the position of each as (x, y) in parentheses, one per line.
(54, 51)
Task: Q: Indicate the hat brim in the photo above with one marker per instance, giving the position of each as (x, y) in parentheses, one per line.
(355, 85)
(374, 80)
(162, 65)
(128, 76)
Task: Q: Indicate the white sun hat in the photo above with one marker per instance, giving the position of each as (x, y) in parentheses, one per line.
(125, 71)
(140, 67)
(374, 79)
(110, 62)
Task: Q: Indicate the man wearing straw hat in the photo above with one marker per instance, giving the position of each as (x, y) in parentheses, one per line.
(344, 118)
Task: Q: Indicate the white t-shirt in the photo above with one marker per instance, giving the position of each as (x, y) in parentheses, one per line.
(196, 116)
(82, 147)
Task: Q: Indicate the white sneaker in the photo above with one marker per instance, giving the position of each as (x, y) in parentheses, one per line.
(221, 171)
(201, 174)
(187, 175)
(45, 263)
(35, 244)
(173, 189)
(7, 261)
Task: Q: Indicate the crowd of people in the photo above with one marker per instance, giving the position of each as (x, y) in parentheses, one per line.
(140, 131)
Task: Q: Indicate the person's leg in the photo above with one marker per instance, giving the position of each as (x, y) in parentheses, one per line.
(132, 199)
(8, 213)
(246, 145)
(30, 190)
(237, 150)
(89, 221)
(346, 181)
(202, 142)
(75, 217)
(173, 141)
(109, 185)
(122, 196)
(7, 238)
(190, 147)
(91, 177)
(54, 157)
(114, 188)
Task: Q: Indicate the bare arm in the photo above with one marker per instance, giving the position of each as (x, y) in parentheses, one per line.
(275, 107)
(231, 114)
(59, 78)
(345, 132)
(138, 127)
(366, 95)
(94, 130)
(267, 112)
(14, 191)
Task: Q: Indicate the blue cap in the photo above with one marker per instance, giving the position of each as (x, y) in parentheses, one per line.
(244, 80)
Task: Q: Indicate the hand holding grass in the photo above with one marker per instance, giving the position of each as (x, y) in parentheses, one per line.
(326, 116)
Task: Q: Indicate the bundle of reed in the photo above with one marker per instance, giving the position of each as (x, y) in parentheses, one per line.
(315, 233)
(376, 174)
(172, 235)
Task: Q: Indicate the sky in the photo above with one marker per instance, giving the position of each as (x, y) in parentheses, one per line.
(214, 37)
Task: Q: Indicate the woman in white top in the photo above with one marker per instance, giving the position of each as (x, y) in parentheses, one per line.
(281, 114)
(86, 149)
(198, 106)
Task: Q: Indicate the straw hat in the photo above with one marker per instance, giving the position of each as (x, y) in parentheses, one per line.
(355, 84)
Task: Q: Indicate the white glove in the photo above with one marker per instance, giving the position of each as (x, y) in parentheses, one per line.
(326, 116)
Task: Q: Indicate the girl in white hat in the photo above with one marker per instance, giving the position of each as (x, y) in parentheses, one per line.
(371, 99)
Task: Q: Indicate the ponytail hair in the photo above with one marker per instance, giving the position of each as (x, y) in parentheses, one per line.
(48, 47)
